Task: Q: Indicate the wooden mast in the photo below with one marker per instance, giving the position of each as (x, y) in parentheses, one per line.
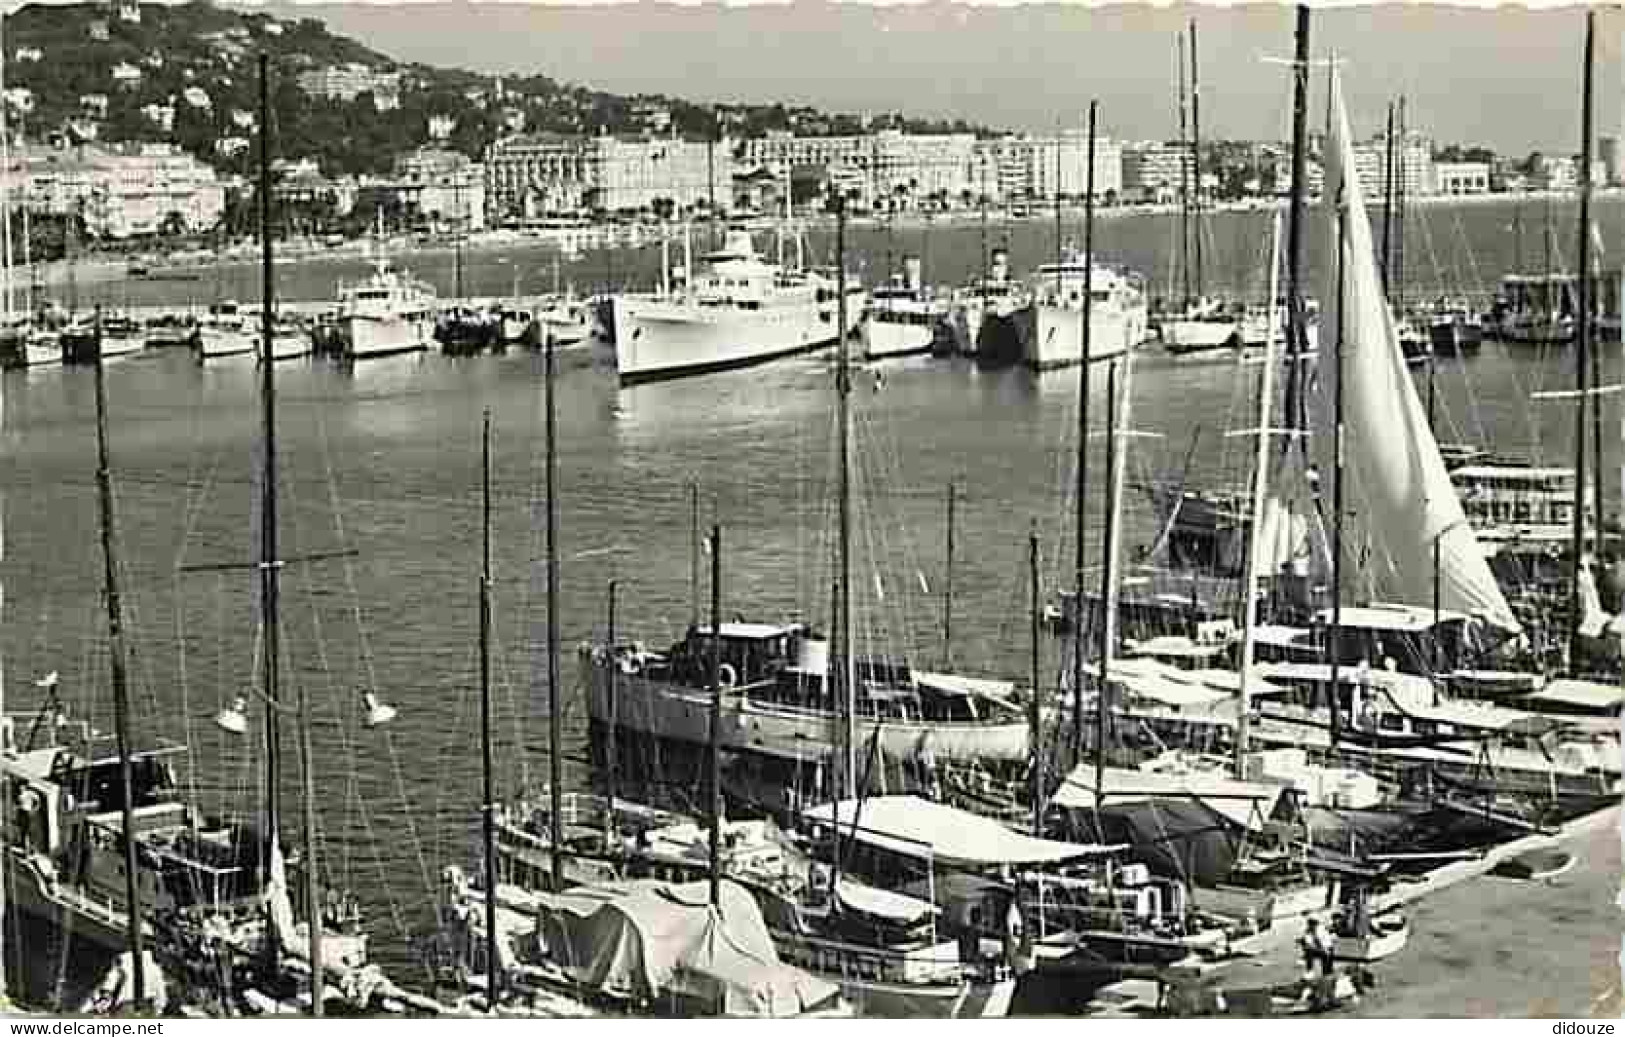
(1297, 339)
(1388, 200)
(1196, 165)
(846, 673)
(1116, 434)
(121, 697)
(1184, 178)
(1080, 491)
(1035, 780)
(1582, 355)
(555, 707)
(714, 731)
(1249, 572)
(493, 976)
(948, 587)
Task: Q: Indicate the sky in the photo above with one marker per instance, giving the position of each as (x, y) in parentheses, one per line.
(1506, 77)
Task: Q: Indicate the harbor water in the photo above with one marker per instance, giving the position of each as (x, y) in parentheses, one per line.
(379, 481)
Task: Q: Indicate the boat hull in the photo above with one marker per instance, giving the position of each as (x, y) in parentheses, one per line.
(82, 348)
(1385, 941)
(384, 336)
(1196, 336)
(214, 343)
(886, 338)
(661, 709)
(657, 340)
(1052, 336)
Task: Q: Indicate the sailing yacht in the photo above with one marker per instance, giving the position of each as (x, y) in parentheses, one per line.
(739, 310)
(388, 312)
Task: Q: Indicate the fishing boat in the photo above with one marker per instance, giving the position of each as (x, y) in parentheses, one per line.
(388, 312)
(737, 310)
(465, 331)
(1454, 328)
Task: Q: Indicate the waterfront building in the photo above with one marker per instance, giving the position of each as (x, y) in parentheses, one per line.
(122, 190)
(634, 174)
(534, 174)
(1153, 171)
(1453, 178)
(445, 186)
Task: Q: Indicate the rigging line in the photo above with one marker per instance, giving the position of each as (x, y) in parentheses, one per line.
(364, 645)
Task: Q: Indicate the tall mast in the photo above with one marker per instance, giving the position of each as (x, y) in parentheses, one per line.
(121, 697)
(1399, 213)
(714, 732)
(1116, 432)
(269, 569)
(948, 587)
(843, 590)
(1184, 179)
(1582, 356)
(493, 976)
(611, 748)
(1335, 641)
(1035, 773)
(273, 562)
(1080, 491)
(1388, 200)
(1249, 577)
(555, 708)
(1296, 342)
(1059, 259)
(1196, 164)
(693, 554)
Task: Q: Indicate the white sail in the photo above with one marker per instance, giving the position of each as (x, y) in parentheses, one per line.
(1397, 498)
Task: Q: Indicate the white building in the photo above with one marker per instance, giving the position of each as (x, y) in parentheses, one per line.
(441, 126)
(1461, 177)
(443, 185)
(126, 75)
(637, 173)
(160, 115)
(196, 96)
(123, 191)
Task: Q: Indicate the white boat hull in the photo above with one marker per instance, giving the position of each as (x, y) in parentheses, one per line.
(289, 345)
(682, 714)
(382, 336)
(885, 338)
(1195, 336)
(564, 331)
(1052, 336)
(39, 354)
(656, 339)
(214, 343)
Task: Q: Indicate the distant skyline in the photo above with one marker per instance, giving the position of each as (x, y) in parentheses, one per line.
(1507, 78)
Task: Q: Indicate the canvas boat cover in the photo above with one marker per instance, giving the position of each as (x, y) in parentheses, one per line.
(641, 939)
(1002, 692)
(883, 904)
(1244, 803)
(915, 827)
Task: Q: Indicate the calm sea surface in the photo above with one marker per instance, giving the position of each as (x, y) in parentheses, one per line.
(384, 461)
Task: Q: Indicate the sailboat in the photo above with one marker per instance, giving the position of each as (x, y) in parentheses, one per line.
(1204, 323)
(265, 960)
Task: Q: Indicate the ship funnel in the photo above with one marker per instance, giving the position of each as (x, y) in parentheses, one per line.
(812, 656)
(999, 271)
(912, 271)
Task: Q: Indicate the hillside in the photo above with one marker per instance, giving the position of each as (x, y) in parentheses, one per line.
(141, 56)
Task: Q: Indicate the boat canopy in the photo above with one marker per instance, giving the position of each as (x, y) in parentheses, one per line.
(915, 827)
(884, 904)
(1403, 619)
(952, 684)
(1578, 694)
(646, 938)
(1248, 804)
(751, 631)
(1172, 686)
